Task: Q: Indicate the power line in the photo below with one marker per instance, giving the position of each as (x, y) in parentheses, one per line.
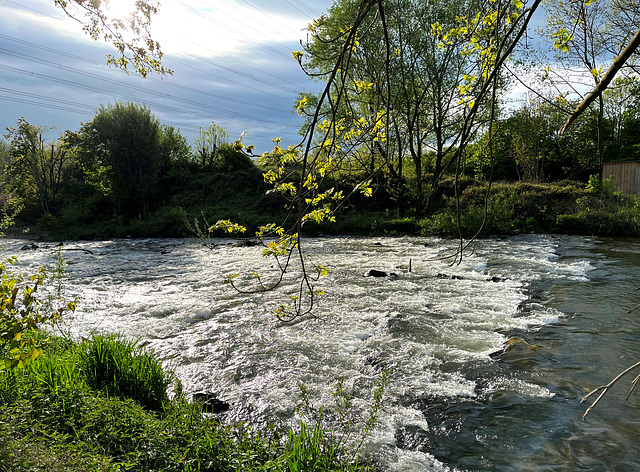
(132, 98)
(314, 13)
(127, 84)
(65, 105)
(244, 39)
(268, 15)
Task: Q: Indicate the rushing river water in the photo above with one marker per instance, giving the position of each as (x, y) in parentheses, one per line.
(452, 402)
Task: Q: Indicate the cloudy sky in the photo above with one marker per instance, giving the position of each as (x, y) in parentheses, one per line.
(231, 59)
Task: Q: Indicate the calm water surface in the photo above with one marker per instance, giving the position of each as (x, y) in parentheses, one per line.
(453, 403)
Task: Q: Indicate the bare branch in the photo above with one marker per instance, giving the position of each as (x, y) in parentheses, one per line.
(617, 63)
(604, 389)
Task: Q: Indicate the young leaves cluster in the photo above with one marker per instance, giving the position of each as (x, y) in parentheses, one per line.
(21, 313)
(131, 36)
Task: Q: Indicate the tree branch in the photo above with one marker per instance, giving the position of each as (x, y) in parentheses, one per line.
(605, 388)
(617, 63)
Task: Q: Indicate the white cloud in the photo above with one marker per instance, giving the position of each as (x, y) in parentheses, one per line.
(201, 29)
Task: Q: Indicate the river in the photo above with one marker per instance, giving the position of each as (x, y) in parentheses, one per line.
(453, 401)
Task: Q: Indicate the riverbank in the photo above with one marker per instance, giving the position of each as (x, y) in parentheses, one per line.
(105, 404)
(500, 209)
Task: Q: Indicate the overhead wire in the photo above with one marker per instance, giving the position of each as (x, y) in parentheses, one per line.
(244, 39)
(72, 107)
(108, 80)
(126, 84)
(313, 13)
(155, 105)
(58, 103)
(287, 56)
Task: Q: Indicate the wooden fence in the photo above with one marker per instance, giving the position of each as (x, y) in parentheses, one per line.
(626, 174)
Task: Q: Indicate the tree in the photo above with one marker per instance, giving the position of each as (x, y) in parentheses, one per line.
(621, 111)
(121, 154)
(412, 82)
(35, 167)
(174, 147)
(208, 143)
(586, 33)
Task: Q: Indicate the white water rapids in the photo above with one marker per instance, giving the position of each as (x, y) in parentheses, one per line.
(431, 331)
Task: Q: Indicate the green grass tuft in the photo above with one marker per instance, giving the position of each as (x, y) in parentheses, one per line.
(101, 405)
(120, 368)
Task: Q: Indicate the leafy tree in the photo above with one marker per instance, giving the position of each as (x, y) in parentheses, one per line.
(209, 141)
(174, 147)
(120, 152)
(583, 33)
(622, 117)
(35, 167)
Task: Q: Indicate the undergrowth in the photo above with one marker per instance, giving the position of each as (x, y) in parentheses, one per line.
(102, 405)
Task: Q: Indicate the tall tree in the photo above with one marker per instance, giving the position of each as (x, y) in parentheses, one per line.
(422, 78)
(34, 168)
(120, 152)
(585, 34)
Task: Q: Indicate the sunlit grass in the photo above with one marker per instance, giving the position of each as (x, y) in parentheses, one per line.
(102, 405)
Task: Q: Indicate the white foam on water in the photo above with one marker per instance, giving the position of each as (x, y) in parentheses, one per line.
(229, 343)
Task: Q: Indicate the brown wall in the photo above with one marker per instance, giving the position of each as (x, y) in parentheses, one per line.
(626, 174)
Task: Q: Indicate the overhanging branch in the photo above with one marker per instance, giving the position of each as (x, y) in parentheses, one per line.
(618, 62)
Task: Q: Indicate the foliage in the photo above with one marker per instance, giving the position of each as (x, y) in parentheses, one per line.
(119, 151)
(33, 169)
(331, 437)
(121, 368)
(209, 142)
(174, 147)
(510, 209)
(51, 418)
(21, 313)
(131, 36)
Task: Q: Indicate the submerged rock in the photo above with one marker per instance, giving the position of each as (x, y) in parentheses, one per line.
(516, 349)
(210, 402)
(450, 277)
(496, 279)
(380, 273)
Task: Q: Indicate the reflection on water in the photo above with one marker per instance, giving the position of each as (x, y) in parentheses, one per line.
(456, 400)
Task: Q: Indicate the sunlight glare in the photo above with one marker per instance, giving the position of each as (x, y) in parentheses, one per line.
(119, 8)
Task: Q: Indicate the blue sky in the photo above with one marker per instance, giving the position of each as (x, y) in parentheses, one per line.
(231, 59)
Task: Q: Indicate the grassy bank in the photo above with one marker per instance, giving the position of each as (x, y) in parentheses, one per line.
(104, 404)
(563, 207)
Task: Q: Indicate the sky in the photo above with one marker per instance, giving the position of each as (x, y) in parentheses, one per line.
(231, 62)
